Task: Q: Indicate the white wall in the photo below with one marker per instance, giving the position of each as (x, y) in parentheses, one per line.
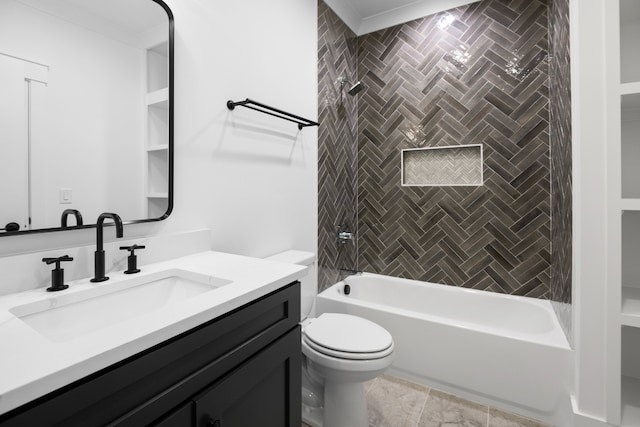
(250, 178)
(590, 209)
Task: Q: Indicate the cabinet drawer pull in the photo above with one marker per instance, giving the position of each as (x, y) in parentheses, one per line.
(213, 423)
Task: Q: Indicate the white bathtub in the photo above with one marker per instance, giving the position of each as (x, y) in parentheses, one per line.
(501, 350)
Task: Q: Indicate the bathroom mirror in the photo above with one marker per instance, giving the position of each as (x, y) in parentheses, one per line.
(86, 118)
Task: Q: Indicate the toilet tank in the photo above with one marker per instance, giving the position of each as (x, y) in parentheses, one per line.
(308, 283)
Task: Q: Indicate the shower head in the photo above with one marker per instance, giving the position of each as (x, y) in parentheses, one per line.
(356, 88)
(353, 88)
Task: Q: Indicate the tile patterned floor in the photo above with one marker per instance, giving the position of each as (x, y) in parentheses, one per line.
(397, 403)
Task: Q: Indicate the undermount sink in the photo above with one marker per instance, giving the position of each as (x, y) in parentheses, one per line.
(68, 316)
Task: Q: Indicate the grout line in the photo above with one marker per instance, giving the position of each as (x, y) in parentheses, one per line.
(370, 385)
(424, 405)
(488, 415)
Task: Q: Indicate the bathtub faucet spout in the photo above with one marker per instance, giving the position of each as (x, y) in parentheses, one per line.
(345, 273)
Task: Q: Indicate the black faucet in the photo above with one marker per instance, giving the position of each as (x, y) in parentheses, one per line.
(99, 254)
(76, 213)
(132, 259)
(57, 274)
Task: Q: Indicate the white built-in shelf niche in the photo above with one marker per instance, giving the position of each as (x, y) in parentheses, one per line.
(624, 186)
(157, 146)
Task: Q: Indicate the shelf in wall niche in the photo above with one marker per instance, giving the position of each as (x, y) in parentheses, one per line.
(630, 401)
(630, 104)
(630, 315)
(157, 206)
(157, 195)
(160, 147)
(157, 69)
(630, 204)
(158, 125)
(158, 98)
(157, 172)
(629, 88)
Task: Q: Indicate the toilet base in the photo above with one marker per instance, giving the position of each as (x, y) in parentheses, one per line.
(312, 409)
(345, 405)
(313, 416)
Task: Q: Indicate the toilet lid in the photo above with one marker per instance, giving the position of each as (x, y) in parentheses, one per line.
(347, 334)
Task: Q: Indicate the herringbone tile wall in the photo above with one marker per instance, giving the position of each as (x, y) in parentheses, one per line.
(337, 146)
(475, 74)
(561, 187)
(480, 77)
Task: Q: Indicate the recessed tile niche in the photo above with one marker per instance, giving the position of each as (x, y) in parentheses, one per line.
(442, 166)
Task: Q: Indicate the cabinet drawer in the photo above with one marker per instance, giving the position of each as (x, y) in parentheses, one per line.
(140, 389)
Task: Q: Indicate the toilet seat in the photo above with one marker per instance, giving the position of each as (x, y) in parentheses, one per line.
(347, 337)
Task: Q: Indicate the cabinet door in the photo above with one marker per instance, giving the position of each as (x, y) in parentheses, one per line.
(183, 417)
(264, 391)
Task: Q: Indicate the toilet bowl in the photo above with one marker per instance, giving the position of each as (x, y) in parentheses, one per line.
(340, 353)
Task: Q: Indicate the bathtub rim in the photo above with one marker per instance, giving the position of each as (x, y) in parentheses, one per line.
(554, 338)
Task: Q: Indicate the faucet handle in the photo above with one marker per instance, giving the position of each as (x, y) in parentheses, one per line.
(343, 235)
(132, 259)
(132, 247)
(57, 260)
(57, 274)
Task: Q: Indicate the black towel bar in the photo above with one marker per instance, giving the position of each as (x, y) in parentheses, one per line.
(257, 106)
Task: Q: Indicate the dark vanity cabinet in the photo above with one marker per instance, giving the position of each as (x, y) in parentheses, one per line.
(238, 370)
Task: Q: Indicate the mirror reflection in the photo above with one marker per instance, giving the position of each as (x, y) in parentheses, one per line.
(84, 117)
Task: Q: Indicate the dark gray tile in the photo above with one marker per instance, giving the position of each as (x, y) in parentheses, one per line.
(560, 135)
(337, 145)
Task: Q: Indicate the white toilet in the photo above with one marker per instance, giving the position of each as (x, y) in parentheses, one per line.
(340, 352)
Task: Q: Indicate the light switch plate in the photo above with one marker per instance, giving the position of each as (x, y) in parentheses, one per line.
(66, 196)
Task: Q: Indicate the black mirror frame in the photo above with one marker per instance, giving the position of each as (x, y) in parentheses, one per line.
(166, 8)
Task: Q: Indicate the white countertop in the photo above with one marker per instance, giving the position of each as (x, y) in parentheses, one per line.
(32, 365)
